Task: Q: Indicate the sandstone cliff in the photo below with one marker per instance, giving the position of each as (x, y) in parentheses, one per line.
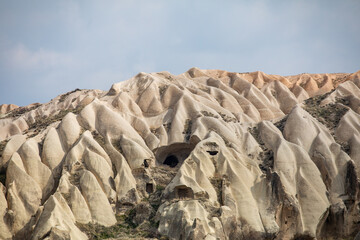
(207, 154)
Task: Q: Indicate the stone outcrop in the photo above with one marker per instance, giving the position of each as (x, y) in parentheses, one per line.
(207, 154)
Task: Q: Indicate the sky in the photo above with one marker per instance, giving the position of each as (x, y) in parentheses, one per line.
(51, 47)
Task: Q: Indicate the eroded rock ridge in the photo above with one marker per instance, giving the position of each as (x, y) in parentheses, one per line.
(206, 154)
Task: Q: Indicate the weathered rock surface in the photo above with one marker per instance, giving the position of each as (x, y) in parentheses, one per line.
(207, 154)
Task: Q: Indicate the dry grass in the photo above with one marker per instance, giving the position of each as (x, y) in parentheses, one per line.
(187, 129)
(64, 96)
(227, 118)
(98, 138)
(209, 114)
(267, 155)
(18, 112)
(117, 146)
(123, 229)
(41, 123)
(2, 146)
(281, 124)
(217, 183)
(330, 114)
(162, 89)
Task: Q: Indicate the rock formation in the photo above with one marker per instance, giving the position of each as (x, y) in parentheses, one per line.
(207, 154)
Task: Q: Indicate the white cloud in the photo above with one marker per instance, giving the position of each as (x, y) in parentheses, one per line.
(20, 57)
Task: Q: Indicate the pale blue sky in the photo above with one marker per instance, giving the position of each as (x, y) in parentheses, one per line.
(51, 47)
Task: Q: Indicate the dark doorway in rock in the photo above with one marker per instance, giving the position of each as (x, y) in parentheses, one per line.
(149, 187)
(171, 161)
(146, 164)
(212, 153)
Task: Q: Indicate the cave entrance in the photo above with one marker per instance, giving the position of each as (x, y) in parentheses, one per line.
(171, 161)
(174, 155)
(146, 163)
(183, 192)
(212, 153)
(149, 187)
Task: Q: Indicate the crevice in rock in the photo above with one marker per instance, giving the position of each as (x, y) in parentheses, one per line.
(3, 178)
(351, 182)
(146, 163)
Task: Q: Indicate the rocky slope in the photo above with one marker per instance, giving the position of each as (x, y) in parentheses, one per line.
(207, 154)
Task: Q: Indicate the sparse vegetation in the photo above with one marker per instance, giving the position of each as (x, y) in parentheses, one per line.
(227, 118)
(345, 146)
(125, 228)
(267, 155)
(67, 198)
(162, 89)
(303, 236)
(41, 123)
(129, 218)
(281, 124)
(2, 146)
(76, 175)
(98, 138)
(211, 144)
(64, 96)
(340, 79)
(160, 188)
(256, 134)
(187, 129)
(17, 112)
(120, 229)
(345, 101)
(329, 115)
(162, 175)
(217, 183)
(117, 145)
(209, 114)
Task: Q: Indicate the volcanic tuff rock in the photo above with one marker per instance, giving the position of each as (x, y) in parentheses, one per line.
(207, 154)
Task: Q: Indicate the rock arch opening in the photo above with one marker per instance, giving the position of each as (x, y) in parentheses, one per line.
(183, 192)
(171, 161)
(174, 155)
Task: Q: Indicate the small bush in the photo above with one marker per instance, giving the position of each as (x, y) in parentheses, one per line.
(160, 188)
